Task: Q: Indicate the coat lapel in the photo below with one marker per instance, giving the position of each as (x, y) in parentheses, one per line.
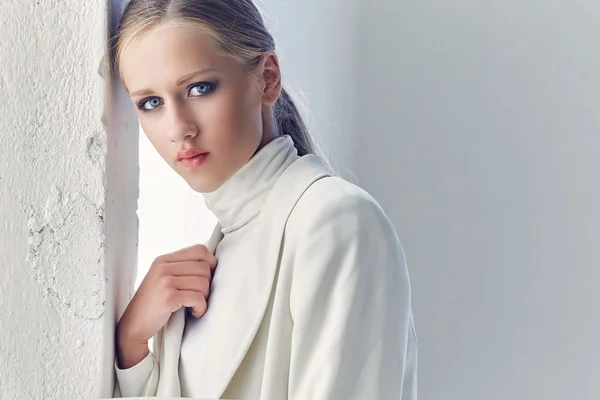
(236, 332)
(273, 218)
(167, 342)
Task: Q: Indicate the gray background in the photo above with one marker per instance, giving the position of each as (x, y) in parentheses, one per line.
(475, 125)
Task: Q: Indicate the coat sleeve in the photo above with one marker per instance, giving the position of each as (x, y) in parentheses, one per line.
(141, 380)
(350, 306)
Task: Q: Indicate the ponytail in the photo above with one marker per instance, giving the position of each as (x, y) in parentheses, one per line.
(290, 122)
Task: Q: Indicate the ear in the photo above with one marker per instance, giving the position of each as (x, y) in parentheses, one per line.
(271, 75)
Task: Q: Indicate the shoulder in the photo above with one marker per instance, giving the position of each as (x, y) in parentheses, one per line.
(341, 242)
(337, 207)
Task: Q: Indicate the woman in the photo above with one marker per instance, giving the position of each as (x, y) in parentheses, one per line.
(302, 292)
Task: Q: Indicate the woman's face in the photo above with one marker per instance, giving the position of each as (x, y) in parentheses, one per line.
(189, 94)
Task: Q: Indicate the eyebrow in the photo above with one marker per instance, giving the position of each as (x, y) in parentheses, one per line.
(180, 81)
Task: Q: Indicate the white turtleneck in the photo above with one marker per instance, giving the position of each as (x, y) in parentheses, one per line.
(240, 199)
(236, 204)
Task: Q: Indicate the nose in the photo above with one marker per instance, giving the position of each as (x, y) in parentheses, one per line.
(182, 124)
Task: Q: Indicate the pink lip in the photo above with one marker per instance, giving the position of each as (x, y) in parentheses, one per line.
(194, 162)
(189, 153)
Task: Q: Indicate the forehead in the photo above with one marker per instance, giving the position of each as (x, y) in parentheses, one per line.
(164, 53)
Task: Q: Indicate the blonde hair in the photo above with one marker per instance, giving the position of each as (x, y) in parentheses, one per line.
(239, 30)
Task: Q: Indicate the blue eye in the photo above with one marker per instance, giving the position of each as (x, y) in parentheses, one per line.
(202, 88)
(149, 104)
(195, 90)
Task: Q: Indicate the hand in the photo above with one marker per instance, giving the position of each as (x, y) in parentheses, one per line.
(175, 280)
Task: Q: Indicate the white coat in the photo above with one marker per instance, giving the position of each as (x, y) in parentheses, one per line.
(328, 286)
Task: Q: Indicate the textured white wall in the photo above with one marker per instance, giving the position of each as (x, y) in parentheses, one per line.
(52, 198)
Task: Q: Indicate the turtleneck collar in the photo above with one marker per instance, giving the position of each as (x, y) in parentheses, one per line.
(241, 198)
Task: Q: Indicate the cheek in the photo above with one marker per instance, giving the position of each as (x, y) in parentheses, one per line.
(235, 117)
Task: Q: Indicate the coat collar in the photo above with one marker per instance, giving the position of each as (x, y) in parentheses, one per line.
(281, 201)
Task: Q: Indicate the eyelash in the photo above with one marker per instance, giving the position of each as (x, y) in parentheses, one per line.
(211, 85)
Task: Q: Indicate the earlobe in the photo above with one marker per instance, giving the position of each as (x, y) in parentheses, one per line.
(271, 78)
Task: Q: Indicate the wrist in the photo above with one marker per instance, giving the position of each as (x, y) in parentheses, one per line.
(130, 350)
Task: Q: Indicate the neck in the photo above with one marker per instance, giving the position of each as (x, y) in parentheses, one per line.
(269, 128)
(240, 199)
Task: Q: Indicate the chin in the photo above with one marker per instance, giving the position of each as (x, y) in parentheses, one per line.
(203, 185)
(201, 182)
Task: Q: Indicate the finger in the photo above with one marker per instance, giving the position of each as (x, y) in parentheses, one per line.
(192, 283)
(188, 268)
(199, 310)
(186, 298)
(197, 252)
